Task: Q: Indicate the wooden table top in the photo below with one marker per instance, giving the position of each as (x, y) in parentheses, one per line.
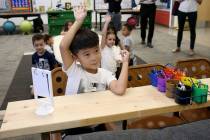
(87, 109)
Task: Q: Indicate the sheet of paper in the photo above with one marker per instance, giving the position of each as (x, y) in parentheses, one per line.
(42, 82)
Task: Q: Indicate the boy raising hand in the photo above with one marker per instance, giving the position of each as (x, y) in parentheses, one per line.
(82, 45)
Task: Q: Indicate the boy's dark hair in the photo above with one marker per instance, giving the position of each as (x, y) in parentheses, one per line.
(84, 38)
(129, 27)
(47, 37)
(37, 37)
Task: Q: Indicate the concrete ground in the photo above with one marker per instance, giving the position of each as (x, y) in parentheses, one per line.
(12, 47)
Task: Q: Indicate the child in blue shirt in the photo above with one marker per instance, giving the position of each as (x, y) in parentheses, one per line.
(42, 58)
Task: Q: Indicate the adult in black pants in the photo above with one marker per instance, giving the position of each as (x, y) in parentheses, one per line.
(148, 12)
(187, 9)
(114, 12)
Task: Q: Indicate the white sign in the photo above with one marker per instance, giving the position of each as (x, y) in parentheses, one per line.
(42, 85)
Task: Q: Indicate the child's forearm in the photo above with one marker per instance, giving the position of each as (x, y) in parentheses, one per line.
(66, 42)
(120, 85)
(104, 32)
(123, 78)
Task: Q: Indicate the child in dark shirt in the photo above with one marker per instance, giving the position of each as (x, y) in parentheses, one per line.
(41, 58)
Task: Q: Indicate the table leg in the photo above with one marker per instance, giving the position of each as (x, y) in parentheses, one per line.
(56, 135)
(25, 17)
(96, 20)
(124, 124)
(100, 21)
(39, 16)
(45, 136)
(176, 114)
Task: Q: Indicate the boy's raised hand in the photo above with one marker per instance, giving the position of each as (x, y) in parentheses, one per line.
(80, 13)
(125, 55)
(108, 18)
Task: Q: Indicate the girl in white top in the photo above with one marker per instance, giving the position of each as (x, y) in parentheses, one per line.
(187, 8)
(108, 56)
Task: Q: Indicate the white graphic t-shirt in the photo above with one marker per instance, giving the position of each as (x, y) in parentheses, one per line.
(81, 81)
